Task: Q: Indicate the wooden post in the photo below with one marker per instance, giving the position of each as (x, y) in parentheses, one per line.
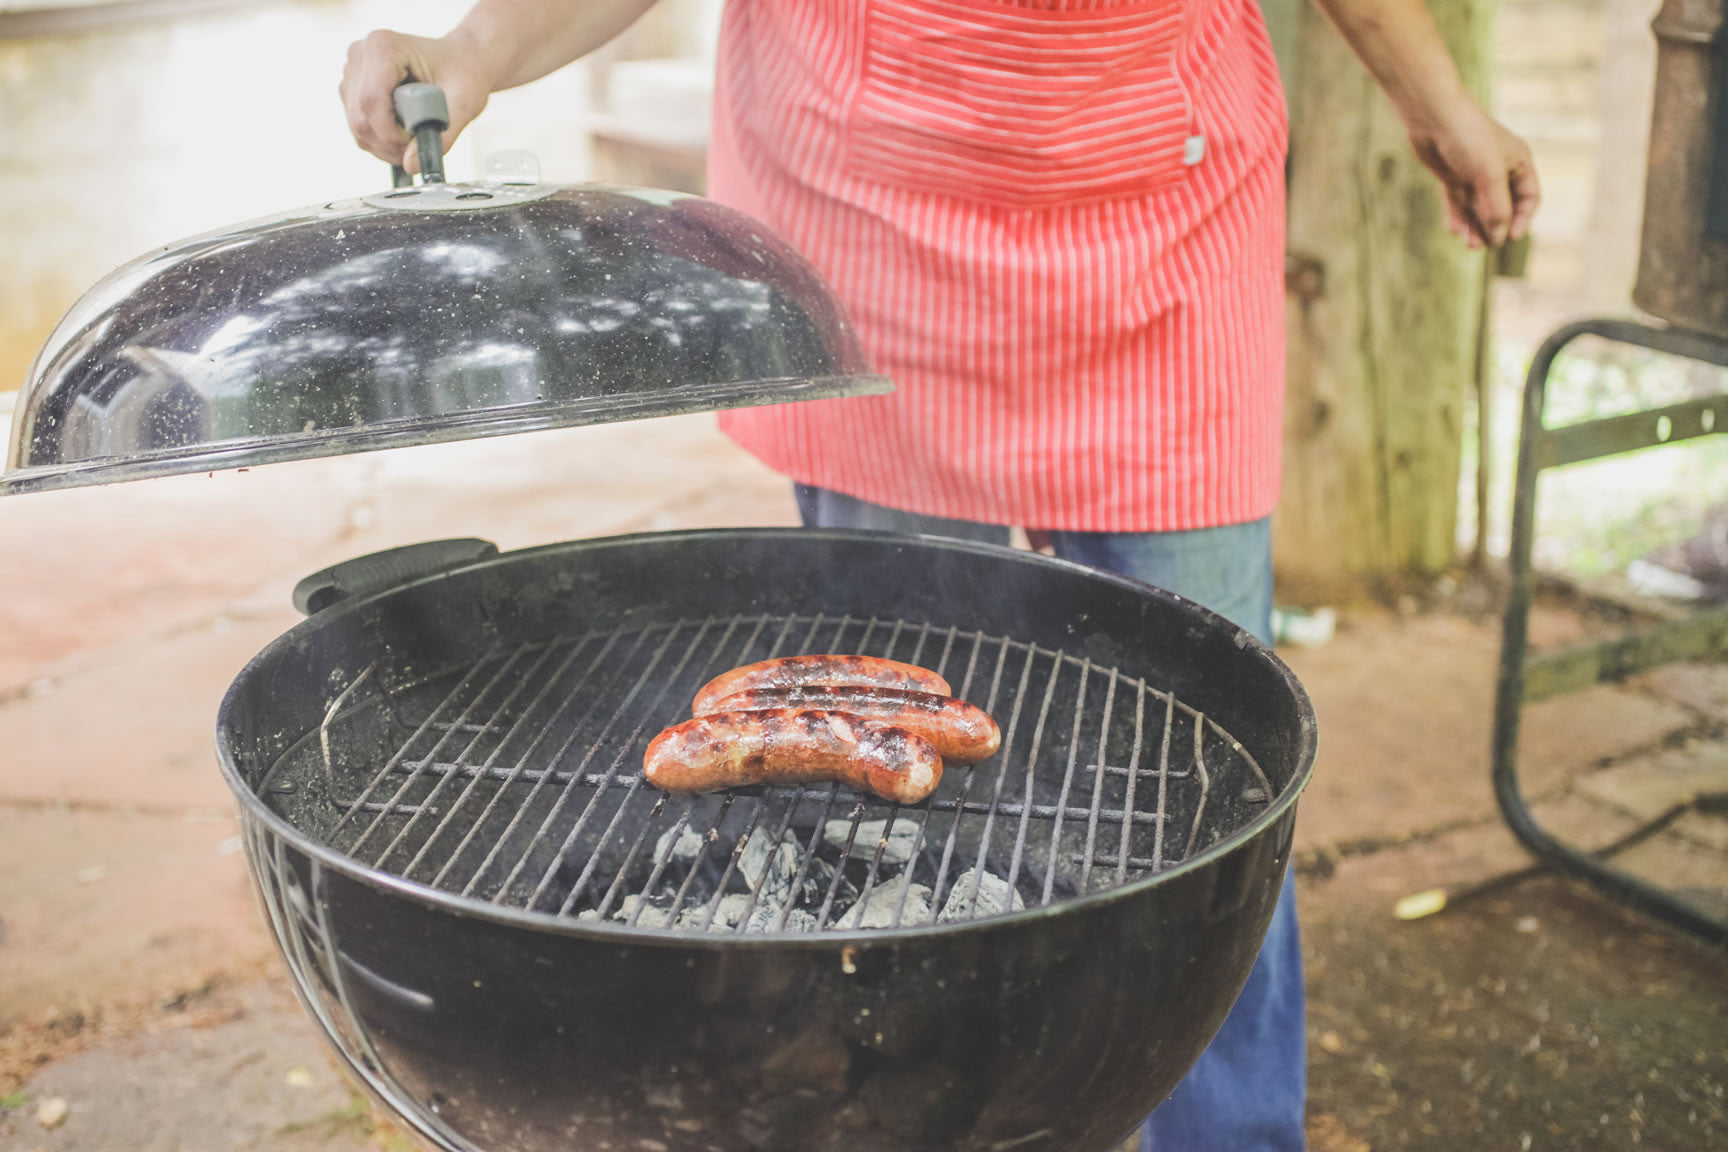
(1383, 315)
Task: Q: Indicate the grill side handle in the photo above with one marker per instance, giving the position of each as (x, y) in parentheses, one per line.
(378, 571)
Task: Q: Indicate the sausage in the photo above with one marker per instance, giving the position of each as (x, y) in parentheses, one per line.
(796, 671)
(792, 746)
(961, 732)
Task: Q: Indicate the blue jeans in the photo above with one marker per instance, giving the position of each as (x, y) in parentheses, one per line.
(1247, 1091)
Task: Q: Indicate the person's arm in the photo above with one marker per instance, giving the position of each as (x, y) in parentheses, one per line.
(1488, 174)
(499, 44)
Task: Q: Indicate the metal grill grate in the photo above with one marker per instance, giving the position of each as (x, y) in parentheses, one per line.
(516, 780)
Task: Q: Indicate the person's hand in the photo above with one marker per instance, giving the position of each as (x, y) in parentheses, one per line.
(1487, 172)
(384, 60)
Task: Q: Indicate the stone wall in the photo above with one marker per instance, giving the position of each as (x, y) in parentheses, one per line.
(1575, 78)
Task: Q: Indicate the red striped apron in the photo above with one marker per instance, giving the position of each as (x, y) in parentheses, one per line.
(1057, 224)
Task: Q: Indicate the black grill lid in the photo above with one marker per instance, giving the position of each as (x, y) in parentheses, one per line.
(426, 313)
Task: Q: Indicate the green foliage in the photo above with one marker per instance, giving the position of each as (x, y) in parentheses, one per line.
(1594, 519)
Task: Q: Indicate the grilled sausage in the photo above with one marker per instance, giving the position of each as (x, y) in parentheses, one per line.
(795, 671)
(962, 733)
(792, 746)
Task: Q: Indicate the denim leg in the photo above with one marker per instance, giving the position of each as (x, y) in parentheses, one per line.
(1247, 1091)
(1228, 570)
(822, 508)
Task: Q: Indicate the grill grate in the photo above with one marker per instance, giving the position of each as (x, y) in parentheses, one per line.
(516, 780)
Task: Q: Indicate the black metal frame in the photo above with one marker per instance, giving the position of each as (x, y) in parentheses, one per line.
(1525, 680)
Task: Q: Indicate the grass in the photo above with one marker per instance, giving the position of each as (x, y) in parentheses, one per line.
(13, 1101)
(358, 1117)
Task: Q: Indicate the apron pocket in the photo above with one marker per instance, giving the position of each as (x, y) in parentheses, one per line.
(1023, 104)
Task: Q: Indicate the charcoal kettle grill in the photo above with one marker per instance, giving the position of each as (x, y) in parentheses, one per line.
(509, 937)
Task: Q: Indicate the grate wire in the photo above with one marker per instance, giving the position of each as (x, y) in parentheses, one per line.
(514, 779)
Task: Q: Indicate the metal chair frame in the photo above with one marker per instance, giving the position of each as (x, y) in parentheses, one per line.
(1524, 679)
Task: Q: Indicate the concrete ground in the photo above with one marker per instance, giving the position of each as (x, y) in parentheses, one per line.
(141, 1005)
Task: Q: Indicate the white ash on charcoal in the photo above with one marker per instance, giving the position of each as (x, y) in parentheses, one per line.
(763, 918)
(994, 897)
(769, 867)
(653, 916)
(727, 913)
(879, 908)
(657, 913)
(687, 846)
(897, 849)
(818, 879)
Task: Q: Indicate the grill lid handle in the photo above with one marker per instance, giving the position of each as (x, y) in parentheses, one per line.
(378, 571)
(423, 111)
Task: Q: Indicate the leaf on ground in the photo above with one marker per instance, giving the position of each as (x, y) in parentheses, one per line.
(51, 1113)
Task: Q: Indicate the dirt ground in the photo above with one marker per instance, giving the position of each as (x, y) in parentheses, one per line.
(141, 1006)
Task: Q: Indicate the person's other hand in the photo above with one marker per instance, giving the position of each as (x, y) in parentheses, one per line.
(384, 60)
(1487, 172)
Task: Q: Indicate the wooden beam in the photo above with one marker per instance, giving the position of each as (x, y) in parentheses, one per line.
(1381, 359)
(1701, 636)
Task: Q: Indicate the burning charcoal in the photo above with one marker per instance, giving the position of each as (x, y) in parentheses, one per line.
(762, 918)
(878, 911)
(688, 847)
(917, 909)
(845, 891)
(653, 916)
(690, 917)
(816, 879)
(994, 897)
(898, 850)
(769, 868)
(727, 913)
(797, 920)
(731, 909)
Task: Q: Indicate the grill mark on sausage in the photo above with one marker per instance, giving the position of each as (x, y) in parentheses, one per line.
(824, 669)
(961, 732)
(792, 746)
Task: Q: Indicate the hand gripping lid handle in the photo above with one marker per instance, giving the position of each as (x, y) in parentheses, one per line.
(423, 111)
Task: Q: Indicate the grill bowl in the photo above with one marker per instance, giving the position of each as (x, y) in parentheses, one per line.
(491, 1025)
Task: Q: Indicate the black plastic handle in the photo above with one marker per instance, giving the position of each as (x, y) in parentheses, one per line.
(422, 110)
(387, 569)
